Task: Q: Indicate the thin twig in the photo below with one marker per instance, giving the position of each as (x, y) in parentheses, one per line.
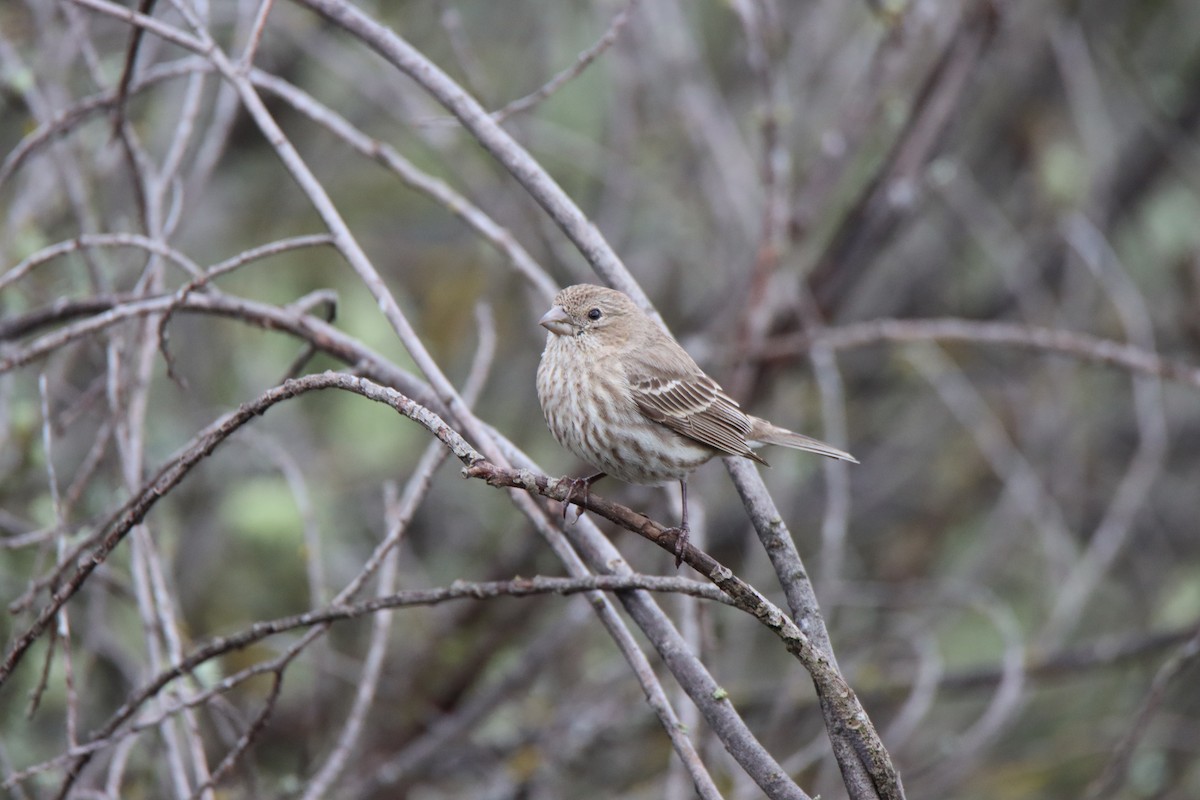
(563, 77)
(47, 254)
(1148, 459)
(135, 39)
(1117, 763)
(1075, 344)
(247, 738)
(368, 680)
(438, 190)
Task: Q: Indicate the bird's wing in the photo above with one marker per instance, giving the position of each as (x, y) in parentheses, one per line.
(693, 405)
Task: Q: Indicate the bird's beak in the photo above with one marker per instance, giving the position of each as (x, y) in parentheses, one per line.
(557, 322)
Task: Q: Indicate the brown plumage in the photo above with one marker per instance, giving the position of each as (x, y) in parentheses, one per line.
(621, 394)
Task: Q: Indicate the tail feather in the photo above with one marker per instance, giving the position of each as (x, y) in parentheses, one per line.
(766, 433)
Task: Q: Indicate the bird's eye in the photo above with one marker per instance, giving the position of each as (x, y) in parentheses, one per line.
(594, 314)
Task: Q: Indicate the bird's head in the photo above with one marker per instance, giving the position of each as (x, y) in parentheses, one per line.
(593, 312)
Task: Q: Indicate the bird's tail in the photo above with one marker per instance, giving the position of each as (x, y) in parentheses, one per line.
(766, 433)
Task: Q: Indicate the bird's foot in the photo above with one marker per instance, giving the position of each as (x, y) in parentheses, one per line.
(682, 535)
(579, 487)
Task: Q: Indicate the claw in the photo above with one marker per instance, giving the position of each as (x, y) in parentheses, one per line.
(681, 543)
(681, 533)
(578, 484)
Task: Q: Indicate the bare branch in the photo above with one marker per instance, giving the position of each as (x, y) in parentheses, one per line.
(112, 532)
(1078, 345)
(565, 76)
(506, 150)
(817, 661)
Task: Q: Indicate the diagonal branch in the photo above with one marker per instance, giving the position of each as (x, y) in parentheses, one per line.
(848, 712)
(560, 79)
(476, 119)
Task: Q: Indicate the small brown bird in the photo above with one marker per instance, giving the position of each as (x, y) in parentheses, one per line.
(621, 394)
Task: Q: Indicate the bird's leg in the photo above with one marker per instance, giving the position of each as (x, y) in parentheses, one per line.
(683, 531)
(577, 484)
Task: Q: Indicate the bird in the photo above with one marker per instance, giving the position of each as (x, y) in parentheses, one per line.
(620, 393)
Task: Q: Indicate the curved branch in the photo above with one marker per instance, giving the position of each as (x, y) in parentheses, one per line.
(119, 524)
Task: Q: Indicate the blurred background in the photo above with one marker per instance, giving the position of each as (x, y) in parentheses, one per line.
(961, 240)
